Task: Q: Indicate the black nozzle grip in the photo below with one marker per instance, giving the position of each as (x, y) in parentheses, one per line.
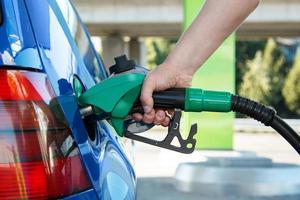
(167, 99)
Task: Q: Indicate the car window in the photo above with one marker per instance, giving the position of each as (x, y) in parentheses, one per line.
(91, 60)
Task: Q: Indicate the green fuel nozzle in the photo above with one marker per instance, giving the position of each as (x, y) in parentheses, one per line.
(114, 96)
(118, 96)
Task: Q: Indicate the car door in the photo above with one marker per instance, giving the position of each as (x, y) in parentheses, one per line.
(67, 54)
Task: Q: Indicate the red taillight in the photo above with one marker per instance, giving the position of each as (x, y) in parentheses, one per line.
(38, 157)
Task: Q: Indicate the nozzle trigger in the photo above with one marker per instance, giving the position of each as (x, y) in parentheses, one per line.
(186, 146)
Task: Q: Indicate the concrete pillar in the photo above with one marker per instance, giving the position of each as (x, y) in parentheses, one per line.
(112, 46)
(143, 56)
(135, 49)
(138, 51)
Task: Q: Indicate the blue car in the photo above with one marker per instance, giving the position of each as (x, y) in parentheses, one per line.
(47, 150)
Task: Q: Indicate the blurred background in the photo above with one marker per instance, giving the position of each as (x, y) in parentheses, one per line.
(261, 60)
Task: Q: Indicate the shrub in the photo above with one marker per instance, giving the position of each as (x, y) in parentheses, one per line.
(291, 89)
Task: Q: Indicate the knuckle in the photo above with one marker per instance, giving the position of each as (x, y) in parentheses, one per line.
(144, 96)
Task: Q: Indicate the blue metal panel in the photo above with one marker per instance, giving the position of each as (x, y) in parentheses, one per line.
(86, 195)
(17, 43)
(110, 172)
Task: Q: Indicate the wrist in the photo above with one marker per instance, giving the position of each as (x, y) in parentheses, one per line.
(178, 67)
(177, 75)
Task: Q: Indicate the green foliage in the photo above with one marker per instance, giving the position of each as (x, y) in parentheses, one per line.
(271, 79)
(264, 79)
(158, 50)
(246, 50)
(291, 89)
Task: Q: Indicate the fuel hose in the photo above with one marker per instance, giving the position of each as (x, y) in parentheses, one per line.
(267, 116)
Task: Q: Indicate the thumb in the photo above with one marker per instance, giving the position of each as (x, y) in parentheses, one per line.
(146, 94)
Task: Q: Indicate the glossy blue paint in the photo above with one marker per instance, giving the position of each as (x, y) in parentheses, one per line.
(17, 43)
(86, 195)
(42, 35)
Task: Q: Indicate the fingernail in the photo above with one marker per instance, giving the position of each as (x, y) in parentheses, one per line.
(147, 109)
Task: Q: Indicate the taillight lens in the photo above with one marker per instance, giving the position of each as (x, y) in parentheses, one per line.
(38, 157)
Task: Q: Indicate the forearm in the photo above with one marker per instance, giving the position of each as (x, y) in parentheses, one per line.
(217, 20)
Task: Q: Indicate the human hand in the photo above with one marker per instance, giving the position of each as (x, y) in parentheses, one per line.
(161, 78)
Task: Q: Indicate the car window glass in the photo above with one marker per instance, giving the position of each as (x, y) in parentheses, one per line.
(82, 40)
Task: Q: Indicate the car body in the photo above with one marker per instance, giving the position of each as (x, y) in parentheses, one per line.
(47, 149)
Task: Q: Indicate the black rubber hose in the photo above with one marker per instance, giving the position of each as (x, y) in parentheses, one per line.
(267, 116)
(287, 132)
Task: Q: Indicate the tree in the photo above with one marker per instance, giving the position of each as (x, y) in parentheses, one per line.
(291, 89)
(246, 50)
(264, 79)
(157, 50)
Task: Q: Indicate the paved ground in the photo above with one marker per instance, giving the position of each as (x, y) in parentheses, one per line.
(161, 188)
(156, 167)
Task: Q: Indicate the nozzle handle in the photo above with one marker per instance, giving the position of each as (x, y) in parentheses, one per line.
(167, 99)
(190, 100)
